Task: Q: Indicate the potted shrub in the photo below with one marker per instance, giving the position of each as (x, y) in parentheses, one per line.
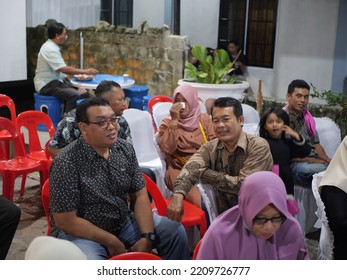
(211, 78)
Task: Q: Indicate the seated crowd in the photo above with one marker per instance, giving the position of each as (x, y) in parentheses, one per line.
(98, 198)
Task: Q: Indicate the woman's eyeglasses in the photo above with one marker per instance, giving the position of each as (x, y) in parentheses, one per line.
(104, 124)
(274, 220)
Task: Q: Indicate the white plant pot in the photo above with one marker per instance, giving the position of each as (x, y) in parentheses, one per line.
(208, 91)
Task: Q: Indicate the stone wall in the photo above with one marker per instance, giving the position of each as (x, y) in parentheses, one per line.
(152, 56)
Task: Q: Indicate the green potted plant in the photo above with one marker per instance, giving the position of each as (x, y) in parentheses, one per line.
(211, 78)
(211, 70)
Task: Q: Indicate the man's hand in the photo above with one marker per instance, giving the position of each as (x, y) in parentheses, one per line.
(175, 209)
(91, 71)
(116, 247)
(142, 245)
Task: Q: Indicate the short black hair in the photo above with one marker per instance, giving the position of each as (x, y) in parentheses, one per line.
(55, 28)
(297, 84)
(280, 113)
(81, 109)
(105, 86)
(223, 102)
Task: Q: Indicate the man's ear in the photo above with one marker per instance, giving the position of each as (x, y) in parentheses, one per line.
(287, 96)
(242, 120)
(83, 127)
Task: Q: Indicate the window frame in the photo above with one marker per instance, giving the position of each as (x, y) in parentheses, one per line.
(114, 12)
(257, 37)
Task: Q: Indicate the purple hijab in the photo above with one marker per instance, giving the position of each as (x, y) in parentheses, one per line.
(230, 236)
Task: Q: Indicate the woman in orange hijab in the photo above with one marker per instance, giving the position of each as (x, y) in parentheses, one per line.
(182, 133)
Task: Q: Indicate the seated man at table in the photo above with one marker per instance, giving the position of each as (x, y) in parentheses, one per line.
(68, 131)
(51, 72)
(90, 182)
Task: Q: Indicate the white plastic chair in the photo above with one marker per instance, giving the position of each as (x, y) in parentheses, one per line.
(160, 111)
(330, 138)
(142, 135)
(326, 239)
(250, 114)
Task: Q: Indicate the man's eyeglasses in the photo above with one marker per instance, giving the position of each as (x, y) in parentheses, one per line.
(274, 220)
(104, 124)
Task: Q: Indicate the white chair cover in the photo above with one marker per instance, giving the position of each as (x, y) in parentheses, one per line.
(330, 138)
(326, 240)
(209, 198)
(251, 128)
(250, 114)
(329, 135)
(142, 135)
(160, 111)
(307, 208)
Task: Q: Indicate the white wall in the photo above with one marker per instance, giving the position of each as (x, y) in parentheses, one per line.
(199, 21)
(150, 10)
(306, 35)
(13, 41)
(199, 18)
(305, 44)
(72, 13)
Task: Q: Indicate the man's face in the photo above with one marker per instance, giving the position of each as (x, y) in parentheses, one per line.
(298, 100)
(61, 38)
(226, 126)
(116, 98)
(98, 135)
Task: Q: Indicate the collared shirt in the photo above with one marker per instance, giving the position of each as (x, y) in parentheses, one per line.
(67, 131)
(96, 188)
(49, 61)
(225, 171)
(297, 122)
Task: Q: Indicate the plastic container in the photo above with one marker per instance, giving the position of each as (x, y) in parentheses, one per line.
(136, 94)
(146, 99)
(49, 105)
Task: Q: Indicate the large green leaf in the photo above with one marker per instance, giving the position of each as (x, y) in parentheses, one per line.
(212, 70)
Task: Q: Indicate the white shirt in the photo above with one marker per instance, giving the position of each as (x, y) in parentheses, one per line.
(48, 62)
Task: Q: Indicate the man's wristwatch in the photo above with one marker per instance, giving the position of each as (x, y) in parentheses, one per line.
(149, 235)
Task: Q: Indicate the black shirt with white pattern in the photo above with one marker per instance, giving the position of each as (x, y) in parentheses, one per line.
(96, 188)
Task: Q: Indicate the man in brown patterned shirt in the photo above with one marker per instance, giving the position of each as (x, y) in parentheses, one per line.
(223, 162)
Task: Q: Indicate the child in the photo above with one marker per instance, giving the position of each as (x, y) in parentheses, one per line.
(284, 142)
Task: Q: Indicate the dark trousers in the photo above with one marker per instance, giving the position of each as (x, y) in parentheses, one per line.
(149, 172)
(63, 91)
(9, 220)
(335, 202)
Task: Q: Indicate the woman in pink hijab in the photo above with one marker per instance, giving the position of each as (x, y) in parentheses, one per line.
(258, 228)
(182, 133)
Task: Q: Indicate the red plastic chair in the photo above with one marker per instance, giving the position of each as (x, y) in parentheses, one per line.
(196, 249)
(19, 165)
(193, 215)
(45, 204)
(5, 136)
(156, 99)
(136, 256)
(30, 120)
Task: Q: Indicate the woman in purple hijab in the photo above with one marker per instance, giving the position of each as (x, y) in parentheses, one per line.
(258, 228)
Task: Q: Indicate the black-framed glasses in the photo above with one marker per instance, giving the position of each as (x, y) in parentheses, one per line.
(105, 123)
(274, 220)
